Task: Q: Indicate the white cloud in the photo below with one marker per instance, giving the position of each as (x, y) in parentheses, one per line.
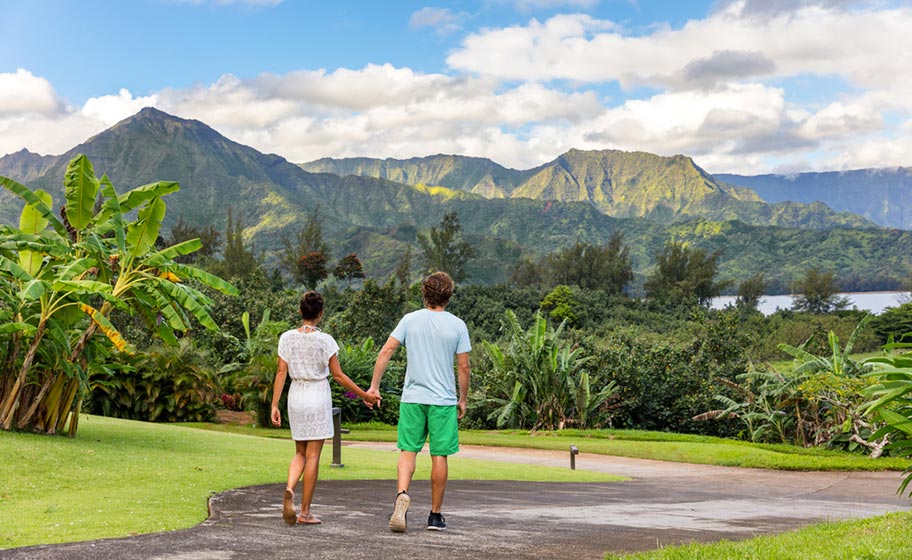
(869, 48)
(23, 92)
(443, 20)
(522, 95)
(110, 109)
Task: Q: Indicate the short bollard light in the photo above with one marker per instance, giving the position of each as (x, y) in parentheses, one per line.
(573, 453)
(337, 437)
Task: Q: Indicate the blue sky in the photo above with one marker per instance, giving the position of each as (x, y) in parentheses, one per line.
(746, 86)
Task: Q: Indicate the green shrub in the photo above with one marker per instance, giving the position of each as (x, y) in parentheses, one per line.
(164, 384)
(358, 363)
(895, 322)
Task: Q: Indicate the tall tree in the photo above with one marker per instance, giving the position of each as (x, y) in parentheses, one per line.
(312, 269)
(683, 273)
(527, 273)
(307, 241)
(238, 261)
(403, 272)
(208, 236)
(349, 268)
(607, 267)
(750, 291)
(817, 293)
(444, 249)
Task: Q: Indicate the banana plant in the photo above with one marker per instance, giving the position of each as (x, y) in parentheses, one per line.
(539, 381)
(62, 277)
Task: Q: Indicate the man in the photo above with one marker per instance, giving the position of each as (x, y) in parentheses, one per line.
(429, 407)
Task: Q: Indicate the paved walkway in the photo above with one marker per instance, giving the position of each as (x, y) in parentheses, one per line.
(663, 504)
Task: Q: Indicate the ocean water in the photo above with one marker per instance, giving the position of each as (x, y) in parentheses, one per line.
(875, 302)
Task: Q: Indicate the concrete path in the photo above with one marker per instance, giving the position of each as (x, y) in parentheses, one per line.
(663, 504)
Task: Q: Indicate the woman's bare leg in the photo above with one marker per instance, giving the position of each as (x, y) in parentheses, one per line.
(312, 451)
(297, 465)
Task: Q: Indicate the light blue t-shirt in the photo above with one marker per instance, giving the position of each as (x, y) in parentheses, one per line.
(432, 339)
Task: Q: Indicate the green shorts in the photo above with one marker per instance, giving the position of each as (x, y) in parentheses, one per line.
(420, 422)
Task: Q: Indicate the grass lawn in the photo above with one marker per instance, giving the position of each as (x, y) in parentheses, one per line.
(119, 477)
(879, 538)
(637, 444)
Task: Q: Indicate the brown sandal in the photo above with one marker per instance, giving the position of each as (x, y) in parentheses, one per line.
(309, 519)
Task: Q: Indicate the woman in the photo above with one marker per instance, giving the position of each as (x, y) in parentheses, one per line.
(308, 356)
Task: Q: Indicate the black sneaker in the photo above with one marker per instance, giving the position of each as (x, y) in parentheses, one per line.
(398, 519)
(436, 522)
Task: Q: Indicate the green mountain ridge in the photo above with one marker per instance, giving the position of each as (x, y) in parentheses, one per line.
(378, 218)
(617, 183)
(883, 196)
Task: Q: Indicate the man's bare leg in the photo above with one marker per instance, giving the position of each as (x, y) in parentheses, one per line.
(439, 472)
(405, 469)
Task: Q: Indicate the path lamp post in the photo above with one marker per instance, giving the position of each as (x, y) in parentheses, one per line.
(337, 437)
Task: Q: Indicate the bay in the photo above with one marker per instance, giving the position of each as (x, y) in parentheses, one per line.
(875, 302)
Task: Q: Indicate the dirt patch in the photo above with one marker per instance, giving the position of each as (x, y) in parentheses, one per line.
(234, 417)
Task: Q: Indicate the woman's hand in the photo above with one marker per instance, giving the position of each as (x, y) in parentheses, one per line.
(276, 417)
(371, 398)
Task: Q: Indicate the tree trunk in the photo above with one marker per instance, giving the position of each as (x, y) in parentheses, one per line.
(36, 402)
(876, 448)
(8, 407)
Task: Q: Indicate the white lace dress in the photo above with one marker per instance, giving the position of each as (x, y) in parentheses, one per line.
(309, 398)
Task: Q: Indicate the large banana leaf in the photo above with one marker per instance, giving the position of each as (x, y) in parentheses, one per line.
(173, 315)
(14, 270)
(90, 287)
(42, 243)
(105, 326)
(111, 216)
(189, 299)
(74, 268)
(139, 195)
(142, 233)
(32, 290)
(174, 251)
(31, 221)
(186, 271)
(80, 188)
(35, 201)
(26, 328)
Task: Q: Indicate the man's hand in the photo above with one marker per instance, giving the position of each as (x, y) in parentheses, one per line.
(461, 409)
(371, 399)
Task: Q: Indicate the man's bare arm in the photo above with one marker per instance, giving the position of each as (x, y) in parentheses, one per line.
(383, 359)
(463, 374)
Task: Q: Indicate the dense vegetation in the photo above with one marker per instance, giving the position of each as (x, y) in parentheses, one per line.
(62, 279)
(563, 346)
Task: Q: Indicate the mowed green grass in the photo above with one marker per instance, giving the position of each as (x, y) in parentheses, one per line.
(119, 477)
(879, 538)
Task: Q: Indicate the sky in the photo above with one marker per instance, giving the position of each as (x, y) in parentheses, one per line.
(741, 86)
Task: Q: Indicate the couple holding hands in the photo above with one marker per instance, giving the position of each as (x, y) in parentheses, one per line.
(429, 408)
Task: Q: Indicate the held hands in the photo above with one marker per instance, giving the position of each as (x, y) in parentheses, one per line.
(372, 397)
(276, 416)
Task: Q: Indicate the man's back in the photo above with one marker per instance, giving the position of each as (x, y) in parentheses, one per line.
(431, 339)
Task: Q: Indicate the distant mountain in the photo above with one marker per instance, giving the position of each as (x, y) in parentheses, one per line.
(378, 218)
(883, 196)
(619, 184)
